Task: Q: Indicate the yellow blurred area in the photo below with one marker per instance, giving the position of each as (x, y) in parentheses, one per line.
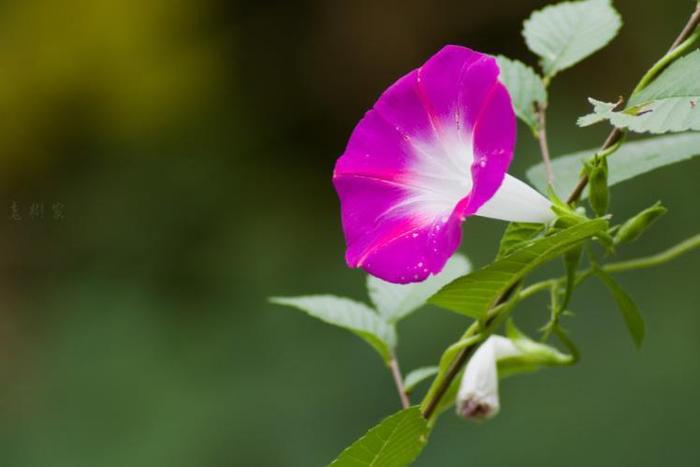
(125, 67)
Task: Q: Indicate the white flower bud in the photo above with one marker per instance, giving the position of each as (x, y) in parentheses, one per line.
(478, 393)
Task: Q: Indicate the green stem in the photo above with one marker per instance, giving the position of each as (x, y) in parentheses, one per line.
(537, 287)
(398, 381)
(666, 60)
(657, 259)
(686, 246)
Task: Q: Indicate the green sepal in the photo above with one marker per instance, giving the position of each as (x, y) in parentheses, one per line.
(637, 225)
(599, 194)
(534, 354)
(572, 259)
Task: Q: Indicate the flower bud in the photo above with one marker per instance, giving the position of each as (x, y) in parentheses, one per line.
(478, 393)
(599, 195)
(634, 227)
(477, 398)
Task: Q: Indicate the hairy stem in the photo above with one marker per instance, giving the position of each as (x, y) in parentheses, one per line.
(398, 380)
(693, 23)
(542, 139)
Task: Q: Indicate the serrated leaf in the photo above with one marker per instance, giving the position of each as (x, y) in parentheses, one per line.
(600, 111)
(396, 301)
(417, 376)
(566, 33)
(348, 314)
(395, 442)
(628, 309)
(632, 159)
(525, 88)
(474, 294)
(669, 104)
(517, 235)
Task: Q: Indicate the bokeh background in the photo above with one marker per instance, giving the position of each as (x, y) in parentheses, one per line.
(165, 166)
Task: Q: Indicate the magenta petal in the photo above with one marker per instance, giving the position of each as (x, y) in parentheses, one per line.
(434, 148)
(494, 143)
(415, 254)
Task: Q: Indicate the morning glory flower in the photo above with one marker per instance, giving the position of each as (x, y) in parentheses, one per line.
(432, 151)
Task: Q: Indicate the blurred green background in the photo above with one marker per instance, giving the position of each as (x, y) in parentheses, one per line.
(165, 166)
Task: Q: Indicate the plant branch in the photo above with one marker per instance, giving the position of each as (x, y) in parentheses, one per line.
(685, 39)
(608, 148)
(541, 111)
(398, 380)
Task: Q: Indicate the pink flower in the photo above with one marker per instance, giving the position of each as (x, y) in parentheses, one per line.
(432, 151)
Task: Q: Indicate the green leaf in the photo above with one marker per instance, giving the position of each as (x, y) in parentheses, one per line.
(474, 294)
(669, 104)
(630, 312)
(600, 111)
(395, 442)
(632, 159)
(396, 301)
(417, 376)
(517, 235)
(347, 314)
(525, 88)
(566, 33)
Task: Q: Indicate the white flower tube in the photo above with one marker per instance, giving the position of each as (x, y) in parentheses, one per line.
(516, 201)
